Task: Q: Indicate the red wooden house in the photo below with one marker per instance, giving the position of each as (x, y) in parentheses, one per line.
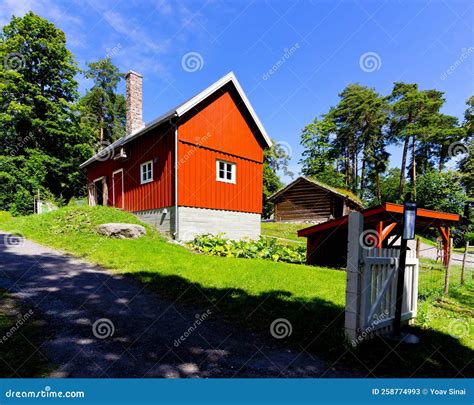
(196, 169)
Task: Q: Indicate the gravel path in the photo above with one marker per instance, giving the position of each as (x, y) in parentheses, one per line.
(429, 252)
(72, 296)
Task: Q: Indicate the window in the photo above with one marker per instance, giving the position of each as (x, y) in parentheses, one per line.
(225, 171)
(146, 172)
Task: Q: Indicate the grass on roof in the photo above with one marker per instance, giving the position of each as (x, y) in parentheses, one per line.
(340, 190)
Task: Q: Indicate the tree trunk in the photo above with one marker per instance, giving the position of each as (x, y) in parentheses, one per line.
(354, 168)
(377, 183)
(362, 175)
(403, 167)
(413, 154)
(347, 168)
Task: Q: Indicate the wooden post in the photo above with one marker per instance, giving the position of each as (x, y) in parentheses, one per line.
(448, 267)
(418, 243)
(379, 230)
(354, 256)
(464, 258)
(446, 235)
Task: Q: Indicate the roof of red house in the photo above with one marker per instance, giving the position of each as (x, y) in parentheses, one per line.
(386, 212)
(183, 108)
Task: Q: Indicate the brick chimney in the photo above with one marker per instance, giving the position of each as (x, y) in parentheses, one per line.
(133, 92)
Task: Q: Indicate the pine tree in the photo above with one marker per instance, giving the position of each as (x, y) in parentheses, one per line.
(102, 109)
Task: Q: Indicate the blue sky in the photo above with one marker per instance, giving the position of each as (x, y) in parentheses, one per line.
(317, 47)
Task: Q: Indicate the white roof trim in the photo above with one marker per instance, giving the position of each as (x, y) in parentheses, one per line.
(184, 108)
(229, 77)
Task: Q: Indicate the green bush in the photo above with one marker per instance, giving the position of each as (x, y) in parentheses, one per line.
(5, 216)
(263, 248)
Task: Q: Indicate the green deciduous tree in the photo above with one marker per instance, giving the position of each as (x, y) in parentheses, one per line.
(37, 120)
(276, 159)
(389, 187)
(441, 191)
(318, 158)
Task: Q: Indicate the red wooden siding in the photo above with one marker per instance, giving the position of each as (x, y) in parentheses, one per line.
(198, 187)
(157, 145)
(222, 124)
(220, 128)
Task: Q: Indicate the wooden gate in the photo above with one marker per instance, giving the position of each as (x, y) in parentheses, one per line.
(372, 284)
(379, 287)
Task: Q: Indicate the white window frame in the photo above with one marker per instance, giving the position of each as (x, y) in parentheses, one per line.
(148, 162)
(233, 171)
(101, 179)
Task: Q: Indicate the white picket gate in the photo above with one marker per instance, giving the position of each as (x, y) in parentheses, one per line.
(372, 284)
(379, 287)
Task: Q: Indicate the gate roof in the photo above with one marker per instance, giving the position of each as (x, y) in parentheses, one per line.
(387, 212)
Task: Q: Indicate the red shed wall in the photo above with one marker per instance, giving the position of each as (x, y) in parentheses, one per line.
(159, 145)
(220, 128)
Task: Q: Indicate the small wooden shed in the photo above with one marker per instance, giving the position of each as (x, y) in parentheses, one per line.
(306, 199)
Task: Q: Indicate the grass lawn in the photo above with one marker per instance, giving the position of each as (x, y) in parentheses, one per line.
(21, 334)
(284, 230)
(432, 276)
(426, 241)
(461, 249)
(252, 293)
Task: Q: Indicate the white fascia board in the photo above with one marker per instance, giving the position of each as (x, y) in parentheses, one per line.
(229, 77)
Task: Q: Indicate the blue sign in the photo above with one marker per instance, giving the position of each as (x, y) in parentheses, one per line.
(409, 219)
(237, 391)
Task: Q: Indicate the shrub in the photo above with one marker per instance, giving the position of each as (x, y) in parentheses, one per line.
(263, 248)
(5, 216)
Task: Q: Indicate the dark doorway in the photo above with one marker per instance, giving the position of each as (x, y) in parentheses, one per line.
(99, 192)
(338, 207)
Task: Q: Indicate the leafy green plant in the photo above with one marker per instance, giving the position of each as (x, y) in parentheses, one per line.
(5, 216)
(263, 248)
